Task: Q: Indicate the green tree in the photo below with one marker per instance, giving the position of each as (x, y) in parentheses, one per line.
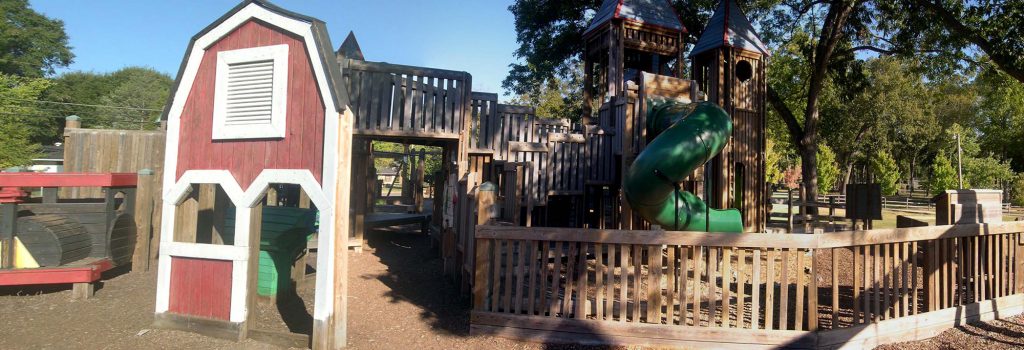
(16, 149)
(1001, 115)
(943, 175)
(887, 174)
(949, 32)
(140, 94)
(828, 171)
(1017, 190)
(559, 98)
(772, 163)
(986, 172)
(129, 98)
(32, 45)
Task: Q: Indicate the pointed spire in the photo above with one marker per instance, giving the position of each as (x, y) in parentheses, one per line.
(350, 48)
(729, 27)
(658, 13)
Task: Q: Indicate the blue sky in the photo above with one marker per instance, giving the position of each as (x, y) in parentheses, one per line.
(473, 36)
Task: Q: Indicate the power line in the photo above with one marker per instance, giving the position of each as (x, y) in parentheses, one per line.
(141, 119)
(64, 110)
(86, 105)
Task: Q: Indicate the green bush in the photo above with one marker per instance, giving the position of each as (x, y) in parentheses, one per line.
(943, 175)
(887, 174)
(828, 169)
(1017, 190)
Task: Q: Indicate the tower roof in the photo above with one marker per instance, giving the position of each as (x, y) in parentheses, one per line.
(656, 13)
(350, 48)
(729, 27)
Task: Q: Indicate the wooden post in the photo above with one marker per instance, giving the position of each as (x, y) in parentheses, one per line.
(50, 195)
(789, 211)
(299, 267)
(143, 219)
(831, 210)
(481, 267)
(255, 227)
(339, 316)
(205, 213)
(185, 219)
(8, 226)
(72, 122)
(485, 199)
(156, 201)
(82, 291)
(417, 186)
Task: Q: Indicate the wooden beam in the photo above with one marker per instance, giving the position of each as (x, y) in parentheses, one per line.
(144, 228)
(338, 319)
(8, 227)
(67, 180)
(252, 269)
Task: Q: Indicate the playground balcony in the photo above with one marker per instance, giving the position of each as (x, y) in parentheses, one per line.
(392, 100)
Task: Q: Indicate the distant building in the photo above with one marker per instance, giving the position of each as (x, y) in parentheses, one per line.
(51, 160)
(387, 175)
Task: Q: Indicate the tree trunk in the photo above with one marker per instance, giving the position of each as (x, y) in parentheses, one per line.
(846, 177)
(910, 183)
(809, 158)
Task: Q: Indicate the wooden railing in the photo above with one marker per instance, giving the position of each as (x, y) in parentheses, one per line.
(405, 101)
(693, 288)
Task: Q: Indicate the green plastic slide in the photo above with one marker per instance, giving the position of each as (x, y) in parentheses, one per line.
(685, 136)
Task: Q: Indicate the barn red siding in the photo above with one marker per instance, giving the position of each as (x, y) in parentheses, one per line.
(201, 287)
(302, 146)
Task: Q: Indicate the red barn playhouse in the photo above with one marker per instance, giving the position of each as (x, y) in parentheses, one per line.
(256, 105)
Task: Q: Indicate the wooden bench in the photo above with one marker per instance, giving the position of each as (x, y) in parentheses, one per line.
(81, 274)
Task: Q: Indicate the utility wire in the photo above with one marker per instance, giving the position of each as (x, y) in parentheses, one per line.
(86, 105)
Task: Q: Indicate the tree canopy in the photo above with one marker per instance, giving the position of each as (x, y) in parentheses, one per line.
(129, 98)
(869, 77)
(33, 45)
(16, 147)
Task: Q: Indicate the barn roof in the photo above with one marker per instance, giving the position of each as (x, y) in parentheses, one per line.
(657, 13)
(729, 27)
(323, 42)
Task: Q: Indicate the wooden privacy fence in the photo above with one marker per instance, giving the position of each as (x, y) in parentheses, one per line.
(109, 151)
(859, 288)
(122, 151)
(406, 101)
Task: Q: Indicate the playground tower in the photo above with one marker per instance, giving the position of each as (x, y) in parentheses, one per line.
(729, 66)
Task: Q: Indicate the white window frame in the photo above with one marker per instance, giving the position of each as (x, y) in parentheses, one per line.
(279, 100)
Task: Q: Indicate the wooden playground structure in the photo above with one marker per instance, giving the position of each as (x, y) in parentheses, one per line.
(54, 240)
(529, 213)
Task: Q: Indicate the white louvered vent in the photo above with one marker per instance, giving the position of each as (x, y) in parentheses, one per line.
(250, 93)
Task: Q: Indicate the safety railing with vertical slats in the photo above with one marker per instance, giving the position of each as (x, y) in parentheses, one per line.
(796, 290)
(405, 101)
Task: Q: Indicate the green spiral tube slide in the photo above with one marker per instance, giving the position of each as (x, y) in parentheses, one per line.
(685, 137)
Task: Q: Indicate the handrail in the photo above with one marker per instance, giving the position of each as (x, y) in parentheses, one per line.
(749, 240)
(384, 67)
(68, 179)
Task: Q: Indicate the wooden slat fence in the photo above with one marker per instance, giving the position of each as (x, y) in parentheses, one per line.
(405, 101)
(566, 164)
(741, 289)
(485, 122)
(600, 158)
(109, 151)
